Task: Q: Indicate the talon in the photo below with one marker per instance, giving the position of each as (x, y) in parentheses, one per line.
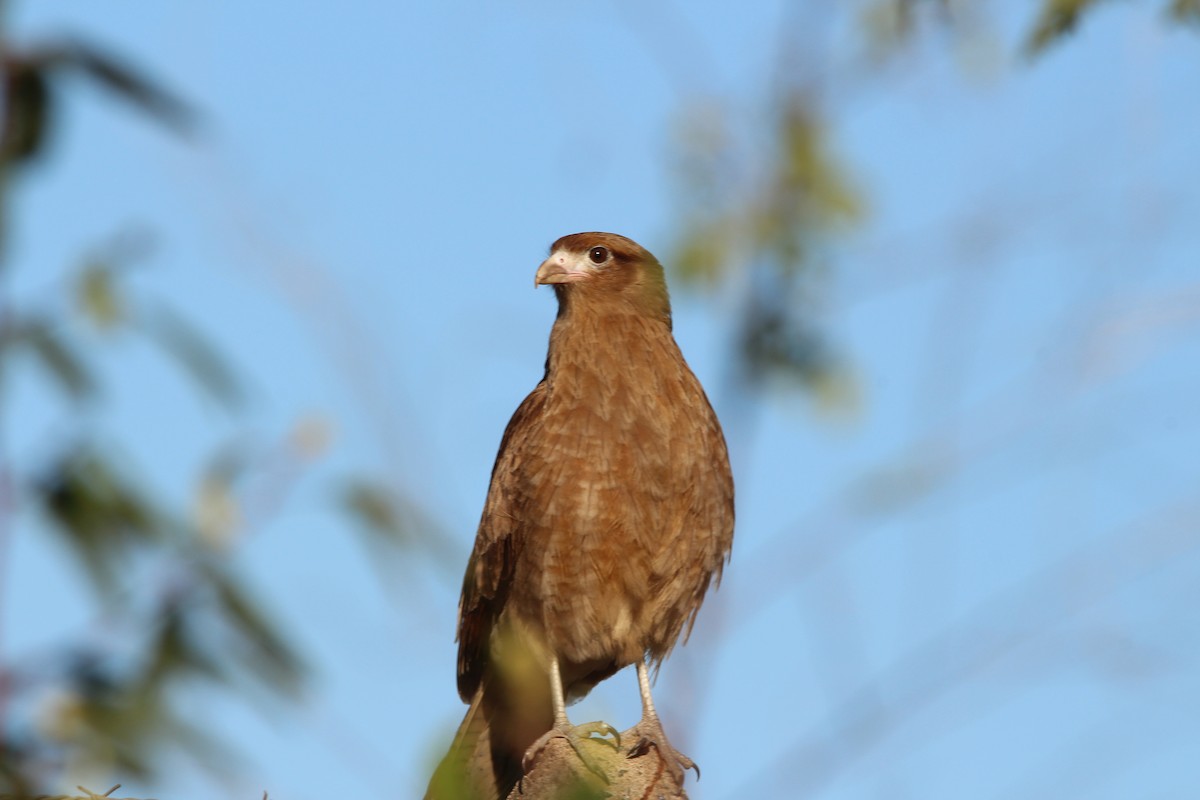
(675, 762)
(605, 730)
(575, 736)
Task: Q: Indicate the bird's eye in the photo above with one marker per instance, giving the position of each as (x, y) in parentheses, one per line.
(598, 255)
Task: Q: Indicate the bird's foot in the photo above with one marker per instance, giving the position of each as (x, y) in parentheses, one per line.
(649, 733)
(575, 736)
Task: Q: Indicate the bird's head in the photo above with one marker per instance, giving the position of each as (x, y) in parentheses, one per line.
(598, 270)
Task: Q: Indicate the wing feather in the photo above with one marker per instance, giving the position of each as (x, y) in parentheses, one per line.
(489, 570)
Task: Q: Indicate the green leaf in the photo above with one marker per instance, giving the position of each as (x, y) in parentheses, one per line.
(26, 112)
(97, 297)
(395, 524)
(265, 650)
(195, 355)
(121, 79)
(1056, 19)
(375, 508)
(60, 360)
(100, 513)
(1186, 12)
(174, 650)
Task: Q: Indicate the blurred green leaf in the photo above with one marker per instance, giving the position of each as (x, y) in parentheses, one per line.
(174, 650)
(375, 508)
(97, 297)
(887, 25)
(216, 509)
(195, 355)
(773, 230)
(26, 110)
(811, 192)
(704, 255)
(216, 512)
(60, 359)
(393, 523)
(1056, 19)
(118, 77)
(1185, 11)
(27, 94)
(268, 655)
(775, 342)
(100, 513)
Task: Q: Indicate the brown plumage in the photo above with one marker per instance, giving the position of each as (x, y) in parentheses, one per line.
(609, 512)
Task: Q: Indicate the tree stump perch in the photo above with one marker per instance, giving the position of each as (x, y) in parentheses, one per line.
(559, 774)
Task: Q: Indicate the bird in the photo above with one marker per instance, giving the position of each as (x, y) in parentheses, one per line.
(609, 513)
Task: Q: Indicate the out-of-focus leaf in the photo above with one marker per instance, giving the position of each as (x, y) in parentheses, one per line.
(195, 355)
(266, 652)
(393, 523)
(120, 78)
(26, 111)
(215, 509)
(887, 25)
(97, 297)
(1056, 19)
(375, 508)
(1185, 11)
(775, 342)
(27, 94)
(835, 390)
(773, 229)
(117, 715)
(58, 358)
(811, 192)
(174, 651)
(99, 512)
(707, 185)
(704, 255)
(114, 713)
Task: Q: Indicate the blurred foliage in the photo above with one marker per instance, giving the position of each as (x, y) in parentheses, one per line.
(393, 523)
(1056, 19)
(889, 24)
(755, 219)
(1185, 11)
(757, 212)
(756, 228)
(101, 514)
(192, 352)
(59, 358)
(171, 609)
(32, 77)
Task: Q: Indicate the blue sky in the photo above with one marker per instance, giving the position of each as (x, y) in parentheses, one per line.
(979, 584)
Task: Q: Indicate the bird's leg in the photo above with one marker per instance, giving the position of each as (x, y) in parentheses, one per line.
(563, 729)
(650, 733)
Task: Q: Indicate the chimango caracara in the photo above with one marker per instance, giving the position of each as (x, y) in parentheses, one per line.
(610, 510)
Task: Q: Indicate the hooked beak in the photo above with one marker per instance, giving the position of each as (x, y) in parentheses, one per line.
(556, 269)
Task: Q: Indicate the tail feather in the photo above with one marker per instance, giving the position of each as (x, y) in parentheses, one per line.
(485, 759)
(466, 772)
